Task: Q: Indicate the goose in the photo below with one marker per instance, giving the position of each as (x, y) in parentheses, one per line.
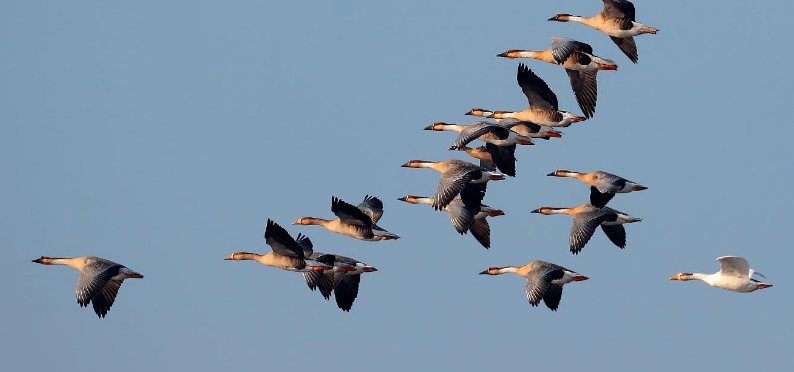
(523, 128)
(464, 218)
(603, 185)
(286, 253)
(458, 177)
(617, 20)
(586, 218)
(354, 221)
(544, 280)
(542, 108)
(343, 278)
(580, 64)
(734, 275)
(98, 282)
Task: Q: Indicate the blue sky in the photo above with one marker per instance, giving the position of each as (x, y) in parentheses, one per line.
(163, 135)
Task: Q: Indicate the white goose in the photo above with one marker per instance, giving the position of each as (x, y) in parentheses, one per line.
(734, 275)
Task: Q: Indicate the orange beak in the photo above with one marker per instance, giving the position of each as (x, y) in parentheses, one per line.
(348, 269)
(607, 67)
(762, 286)
(495, 213)
(554, 134)
(580, 278)
(639, 188)
(369, 269)
(525, 142)
(675, 277)
(320, 268)
(496, 177)
(578, 119)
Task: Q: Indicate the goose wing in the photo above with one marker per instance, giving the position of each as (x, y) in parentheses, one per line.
(98, 283)
(460, 215)
(504, 157)
(347, 291)
(537, 91)
(734, 266)
(616, 234)
(562, 47)
(600, 199)
(539, 281)
(585, 89)
(584, 225)
(372, 207)
(281, 242)
(352, 216)
(622, 10)
(481, 231)
(627, 46)
(477, 129)
(452, 182)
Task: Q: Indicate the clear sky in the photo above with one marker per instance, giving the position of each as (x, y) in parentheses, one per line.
(163, 134)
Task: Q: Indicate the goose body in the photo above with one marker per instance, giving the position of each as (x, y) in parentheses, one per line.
(586, 218)
(603, 185)
(358, 222)
(98, 282)
(543, 108)
(617, 20)
(580, 64)
(458, 177)
(464, 218)
(544, 281)
(734, 275)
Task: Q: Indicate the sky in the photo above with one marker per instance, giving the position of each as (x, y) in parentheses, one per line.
(163, 134)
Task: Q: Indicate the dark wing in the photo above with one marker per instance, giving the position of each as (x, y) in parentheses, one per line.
(472, 195)
(372, 207)
(619, 9)
(599, 199)
(475, 130)
(562, 47)
(481, 231)
(615, 233)
(305, 244)
(538, 93)
(553, 296)
(324, 281)
(584, 225)
(452, 182)
(488, 165)
(347, 291)
(583, 84)
(504, 157)
(96, 284)
(460, 215)
(628, 46)
(279, 240)
(352, 216)
(539, 281)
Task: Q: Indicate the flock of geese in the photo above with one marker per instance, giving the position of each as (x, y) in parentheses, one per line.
(462, 187)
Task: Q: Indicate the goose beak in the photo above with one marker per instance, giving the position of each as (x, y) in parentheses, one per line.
(535, 211)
